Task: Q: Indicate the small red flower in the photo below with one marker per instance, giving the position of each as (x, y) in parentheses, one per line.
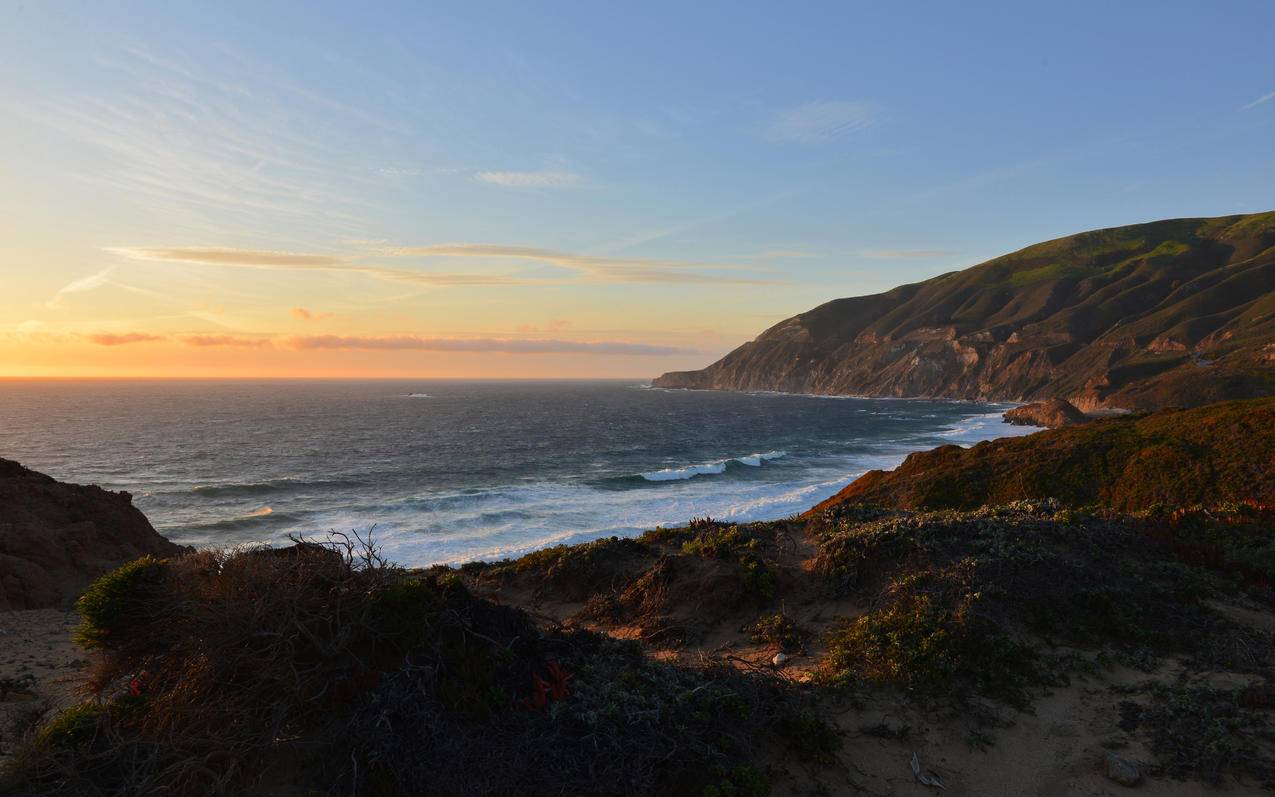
(558, 678)
(138, 683)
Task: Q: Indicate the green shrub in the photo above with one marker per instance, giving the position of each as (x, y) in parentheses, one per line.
(126, 596)
(758, 579)
(718, 542)
(73, 727)
(778, 629)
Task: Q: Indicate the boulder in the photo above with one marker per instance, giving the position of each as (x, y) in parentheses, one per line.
(1052, 413)
(57, 538)
(1120, 770)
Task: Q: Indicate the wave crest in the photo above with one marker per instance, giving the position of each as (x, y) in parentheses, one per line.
(711, 468)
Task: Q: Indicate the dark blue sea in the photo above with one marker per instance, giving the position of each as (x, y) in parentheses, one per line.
(449, 471)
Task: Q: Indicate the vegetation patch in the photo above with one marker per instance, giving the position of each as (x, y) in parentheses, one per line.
(325, 666)
(1204, 456)
(965, 599)
(575, 572)
(1205, 733)
(780, 630)
(119, 600)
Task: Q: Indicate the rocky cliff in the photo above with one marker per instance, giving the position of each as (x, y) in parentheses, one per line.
(1177, 312)
(56, 538)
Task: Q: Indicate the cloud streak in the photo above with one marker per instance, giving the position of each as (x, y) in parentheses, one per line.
(1259, 101)
(599, 268)
(907, 254)
(91, 282)
(820, 122)
(592, 268)
(531, 179)
(213, 341)
(302, 314)
(495, 345)
(124, 339)
(292, 261)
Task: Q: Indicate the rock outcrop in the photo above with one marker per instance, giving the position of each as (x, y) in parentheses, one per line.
(56, 538)
(1171, 313)
(1052, 413)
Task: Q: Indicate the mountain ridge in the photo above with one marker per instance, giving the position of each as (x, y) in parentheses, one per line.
(1172, 312)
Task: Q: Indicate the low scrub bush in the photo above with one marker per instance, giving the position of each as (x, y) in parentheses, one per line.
(321, 667)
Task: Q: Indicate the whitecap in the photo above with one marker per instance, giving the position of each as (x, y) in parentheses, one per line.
(711, 468)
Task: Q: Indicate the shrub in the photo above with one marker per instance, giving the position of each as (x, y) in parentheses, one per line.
(778, 629)
(718, 541)
(362, 678)
(124, 599)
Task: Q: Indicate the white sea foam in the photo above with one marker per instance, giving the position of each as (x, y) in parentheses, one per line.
(710, 468)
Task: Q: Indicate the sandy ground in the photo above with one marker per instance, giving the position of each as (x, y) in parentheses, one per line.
(40, 669)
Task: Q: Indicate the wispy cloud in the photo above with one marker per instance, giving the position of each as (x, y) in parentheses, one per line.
(820, 122)
(91, 282)
(1259, 101)
(227, 257)
(209, 341)
(291, 261)
(556, 325)
(498, 345)
(192, 145)
(123, 339)
(907, 254)
(592, 268)
(302, 314)
(783, 254)
(531, 179)
(615, 269)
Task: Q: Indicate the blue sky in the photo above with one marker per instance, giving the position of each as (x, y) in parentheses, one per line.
(670, 176)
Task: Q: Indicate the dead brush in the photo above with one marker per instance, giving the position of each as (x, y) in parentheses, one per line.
(210, 662)
(323, 669)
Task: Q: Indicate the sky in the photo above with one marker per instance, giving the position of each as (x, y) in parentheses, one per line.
(245, 189)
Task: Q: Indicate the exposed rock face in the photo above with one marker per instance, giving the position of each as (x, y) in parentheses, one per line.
(1172, 313)
(56, 538)
(1052, 413)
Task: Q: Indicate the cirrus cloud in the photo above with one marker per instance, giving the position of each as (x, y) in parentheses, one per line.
(906, 254)
(124, 338)
(548, 179)
(208, 341)
(303, 314)
(496, 345)
(820, 122)
(590, 268)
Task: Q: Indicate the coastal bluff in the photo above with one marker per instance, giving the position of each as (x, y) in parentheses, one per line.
(1143, 317)
(57, 538)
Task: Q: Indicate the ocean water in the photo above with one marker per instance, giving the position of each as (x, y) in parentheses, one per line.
(450, 471)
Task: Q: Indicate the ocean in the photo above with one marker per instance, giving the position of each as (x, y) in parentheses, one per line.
(451, 471)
